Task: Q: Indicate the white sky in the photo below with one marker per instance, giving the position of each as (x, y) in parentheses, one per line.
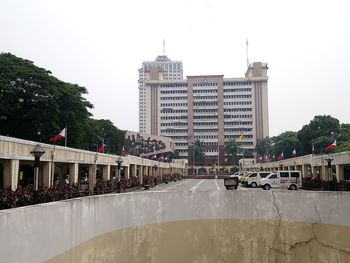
(101, 44)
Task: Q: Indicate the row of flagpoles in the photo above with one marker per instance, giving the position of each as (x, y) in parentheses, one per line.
(294, 153)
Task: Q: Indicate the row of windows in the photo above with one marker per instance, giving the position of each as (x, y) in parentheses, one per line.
(203, 117)
(237, 83)
(173, 104)
(173, 117)
(172, 130)
(237, 109)
(205, 91)
(173, 85)
(205, 110)
(204, 84)
(246, 116)
(173, 98)
(205, 123)
(168, 110)
(238, 90)
(237, 96)
(172, 91)
(246, 136)
(202, 103)
(239, 129)
(205, 130)
(240, 123)
(205, 97)
(173, 124)
(238, 103)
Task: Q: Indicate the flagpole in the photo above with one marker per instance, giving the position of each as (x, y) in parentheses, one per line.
(52, 163)
(65, 138)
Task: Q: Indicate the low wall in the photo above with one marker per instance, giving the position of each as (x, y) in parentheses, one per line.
(182, 226)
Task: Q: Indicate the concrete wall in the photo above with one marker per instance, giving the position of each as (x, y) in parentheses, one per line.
(182, 226)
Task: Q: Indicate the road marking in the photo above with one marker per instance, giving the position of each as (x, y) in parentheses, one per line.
(196, 186)
(217, 185)
(173, 186)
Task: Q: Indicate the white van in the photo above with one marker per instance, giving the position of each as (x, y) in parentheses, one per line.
(253, 179)
(282, 179)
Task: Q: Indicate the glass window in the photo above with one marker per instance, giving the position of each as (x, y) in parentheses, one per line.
(284, 174)
(263, 175)
(253, 175)
(273, 176)
(295, 174)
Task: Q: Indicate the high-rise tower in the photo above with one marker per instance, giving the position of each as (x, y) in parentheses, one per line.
(162, 68)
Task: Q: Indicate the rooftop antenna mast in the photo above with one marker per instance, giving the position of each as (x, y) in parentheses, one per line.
(247, 52)
(164, 47)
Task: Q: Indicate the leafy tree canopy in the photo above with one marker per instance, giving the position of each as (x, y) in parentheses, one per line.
(231, 151)
(34, 105)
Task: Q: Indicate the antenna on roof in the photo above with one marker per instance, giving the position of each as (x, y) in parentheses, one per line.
(164, 47)
(247, 52)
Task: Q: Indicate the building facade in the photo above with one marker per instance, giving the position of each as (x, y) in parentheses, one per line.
(212, 109)
(162, 68)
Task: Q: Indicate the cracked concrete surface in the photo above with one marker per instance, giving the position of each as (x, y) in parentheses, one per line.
(182, 226)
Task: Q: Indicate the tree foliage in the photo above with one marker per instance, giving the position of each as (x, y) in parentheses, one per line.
(263, 147)
(34, 105)
(199, 152)
(231, 151)
(316, 132)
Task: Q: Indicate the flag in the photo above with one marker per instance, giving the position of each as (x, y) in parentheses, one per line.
(281, 157)
(123, 152)
(101, 148)
(161, 158)
(260, 158)
(241, 137)
(154, 157)
(330, 147)
(313, 149)
(59, 136)
(294, 152)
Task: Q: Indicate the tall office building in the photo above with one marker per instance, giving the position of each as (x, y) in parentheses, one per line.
(162, 68)
(210, 108)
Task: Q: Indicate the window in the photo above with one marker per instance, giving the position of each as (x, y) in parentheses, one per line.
(273, 176)
(284, 174)
(295, 174)
(253, 175)
(263, 175)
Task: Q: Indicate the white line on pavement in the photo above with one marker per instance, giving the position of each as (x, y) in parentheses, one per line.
(173, 186)
(217, 185)
(196, 186)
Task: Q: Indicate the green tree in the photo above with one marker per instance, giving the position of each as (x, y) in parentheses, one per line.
(199, 152)
(321, 126)
(263, 147)
(34, 105)
(231, 151)
(103, 131)
(286, 142)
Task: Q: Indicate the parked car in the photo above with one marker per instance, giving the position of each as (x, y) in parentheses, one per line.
(282, 179)
(253, 179)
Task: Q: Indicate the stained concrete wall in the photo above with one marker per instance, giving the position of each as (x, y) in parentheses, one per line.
(183, 226)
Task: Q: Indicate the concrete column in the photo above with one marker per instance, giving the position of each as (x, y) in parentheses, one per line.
(92, 176)
(304, 170)
(314, 171)
(106, 172)
(324, 173)
(127, 172)
(339, 169)
(133, 168)
(46, 173)
(73, 173)
(11, 170)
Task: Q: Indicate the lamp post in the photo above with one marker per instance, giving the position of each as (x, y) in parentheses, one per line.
(37, 152)
(329, 160)
(119, 162)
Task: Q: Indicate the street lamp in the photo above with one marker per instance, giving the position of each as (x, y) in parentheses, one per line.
(119, 162)
(329, 160)
(37, 152)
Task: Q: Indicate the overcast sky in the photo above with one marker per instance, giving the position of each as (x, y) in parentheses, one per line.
(101, 44)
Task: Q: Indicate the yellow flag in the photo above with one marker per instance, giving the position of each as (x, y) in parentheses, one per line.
(241, 137)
